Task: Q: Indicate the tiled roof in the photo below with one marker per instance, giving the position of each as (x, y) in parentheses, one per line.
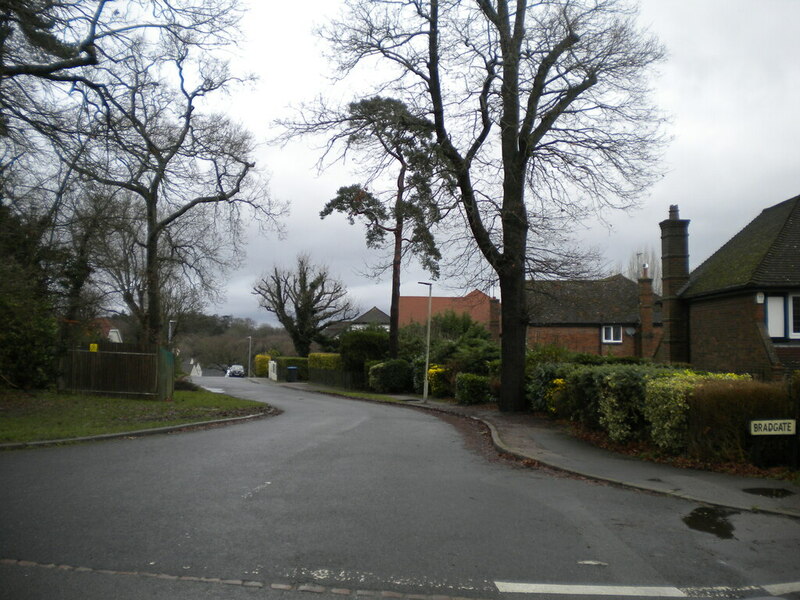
(765, 254)
(374, 316)
(613, 300)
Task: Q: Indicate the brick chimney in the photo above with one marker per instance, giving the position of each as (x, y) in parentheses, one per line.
(646, 345)
(675, 274)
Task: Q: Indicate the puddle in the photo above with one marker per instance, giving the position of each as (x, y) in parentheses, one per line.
(769, 492)
(711, 519)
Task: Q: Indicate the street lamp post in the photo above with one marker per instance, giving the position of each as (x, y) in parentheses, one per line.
(427, 344)
(249, 353)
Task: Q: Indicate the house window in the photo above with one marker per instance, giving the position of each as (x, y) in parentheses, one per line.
(776, 317)
(612, 334)
(794, 316)
(783, 316)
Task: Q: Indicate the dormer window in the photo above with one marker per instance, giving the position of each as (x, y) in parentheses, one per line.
(612, 334)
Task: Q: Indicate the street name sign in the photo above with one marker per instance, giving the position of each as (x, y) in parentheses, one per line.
(773, 427)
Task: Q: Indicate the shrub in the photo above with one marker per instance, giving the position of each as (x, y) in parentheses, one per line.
(325, 361)
(473, 355)
(580, 397)
(284, 362)
(666, 406)
(540, 383)
(472, 389)
(718, 422)
(439, 384)
(261, 365)
(391, 376)
(621, 402)
(360, 345)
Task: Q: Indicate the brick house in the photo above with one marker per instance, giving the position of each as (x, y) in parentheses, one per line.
(614, 316)
(739, 310)
(480, 307)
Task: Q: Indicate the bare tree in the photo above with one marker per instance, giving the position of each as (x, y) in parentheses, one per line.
(305, 300)
(534, 103)
(159, 143)
(645, 256)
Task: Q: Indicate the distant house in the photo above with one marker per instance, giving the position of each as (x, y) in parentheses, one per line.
(480, 307)
(614, 316)
(373, 317)
(739, 310)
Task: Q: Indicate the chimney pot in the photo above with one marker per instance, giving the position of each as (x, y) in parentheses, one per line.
(673, 212)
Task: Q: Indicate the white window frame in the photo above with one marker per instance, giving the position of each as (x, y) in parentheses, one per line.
(611, 334)
(776, 316)
(791, 316)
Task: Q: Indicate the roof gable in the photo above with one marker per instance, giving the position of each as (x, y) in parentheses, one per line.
(374, 316)
(613, 300)
(765, 253)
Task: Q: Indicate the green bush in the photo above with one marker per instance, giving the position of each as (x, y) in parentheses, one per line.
(360, 345)
(284, 362)
(666, 406)
(473, 389)
(540, 384)
(473, 355)
(391, 377)
(621, 402)
(439, 382)
(326, 361)
(718, 422)
(261, 365)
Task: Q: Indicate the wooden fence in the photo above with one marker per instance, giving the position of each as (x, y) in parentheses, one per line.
(121, 370)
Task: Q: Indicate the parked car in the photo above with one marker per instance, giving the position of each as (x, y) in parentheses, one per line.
(235, 371)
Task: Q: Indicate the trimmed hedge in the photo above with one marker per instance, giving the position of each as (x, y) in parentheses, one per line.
(391, 377)
(718, 422)
(283, 362)
(473, 389)
(666, 406)
(261, 365)
(327, 361)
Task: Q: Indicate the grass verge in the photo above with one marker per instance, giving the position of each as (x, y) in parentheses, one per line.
(47, 415)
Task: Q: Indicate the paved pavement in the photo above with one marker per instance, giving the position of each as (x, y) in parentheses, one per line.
(527, 436)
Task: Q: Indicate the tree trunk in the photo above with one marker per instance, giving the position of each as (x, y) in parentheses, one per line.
(394, 310)
(513, 340)
(153, 329)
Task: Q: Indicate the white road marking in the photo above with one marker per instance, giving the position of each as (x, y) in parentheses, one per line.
(215, 390)
(779, 589)
(511, 587)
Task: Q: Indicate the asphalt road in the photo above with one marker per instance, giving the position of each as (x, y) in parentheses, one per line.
(338, 497)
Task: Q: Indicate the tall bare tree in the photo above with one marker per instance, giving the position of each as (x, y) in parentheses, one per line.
(534, 104)
(158, 141)
(306, 300)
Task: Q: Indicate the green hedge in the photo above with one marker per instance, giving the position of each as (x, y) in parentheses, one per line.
(284, 362)
(328, 361)
(391, 377)
(666, 406)
(718, 422)
(473, 389)
(261, 365)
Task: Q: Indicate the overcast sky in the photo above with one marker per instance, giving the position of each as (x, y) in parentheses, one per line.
(731, 85)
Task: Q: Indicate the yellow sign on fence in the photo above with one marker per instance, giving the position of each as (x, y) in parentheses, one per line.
(93, 347)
